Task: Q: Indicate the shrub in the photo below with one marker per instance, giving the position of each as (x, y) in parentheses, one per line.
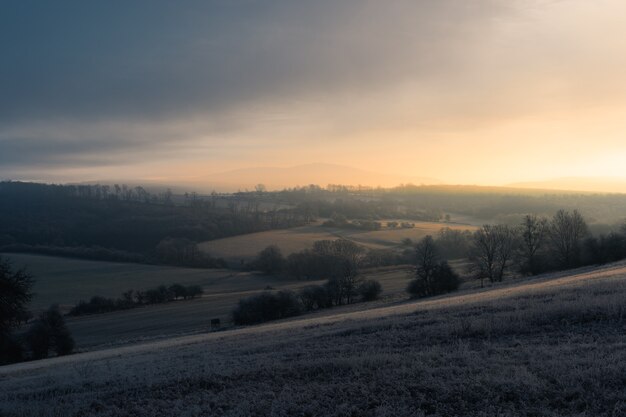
(49, 332)
(15, 293)
(193, 291)
(94, 306)
(270, 260)
(315, 296)
(10, 350)
(267, 306)
(38, 340)
(442, 280)
(370, 290)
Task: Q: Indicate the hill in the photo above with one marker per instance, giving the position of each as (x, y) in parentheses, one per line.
(549, 346)
(276, 178)
(66, 281)
(580, 184)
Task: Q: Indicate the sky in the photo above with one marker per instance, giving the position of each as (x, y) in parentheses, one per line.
(468, 92)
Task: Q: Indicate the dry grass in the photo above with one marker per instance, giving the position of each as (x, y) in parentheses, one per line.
(554, 346)
(245, 247)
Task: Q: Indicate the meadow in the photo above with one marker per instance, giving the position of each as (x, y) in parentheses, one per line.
(245, 247)
(66, 281)
(546, 346)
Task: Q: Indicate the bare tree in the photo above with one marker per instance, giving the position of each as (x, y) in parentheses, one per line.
(427, 257)
(533, 233)
(492, 251)
(15, 294)
(566, 232)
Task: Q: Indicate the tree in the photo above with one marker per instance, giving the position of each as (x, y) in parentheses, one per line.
(47, 333)
(566, 230)
(178, 291)
(427, 258)
(441, 280)
(452, 243)
(533, 232)
(270, 260)
(315, 296)
(491, 252)
(15, 294)
(344, 281)
(267, 306)
(370, 290)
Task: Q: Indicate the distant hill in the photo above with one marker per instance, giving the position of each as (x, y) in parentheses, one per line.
(591, 184)
(275, 178)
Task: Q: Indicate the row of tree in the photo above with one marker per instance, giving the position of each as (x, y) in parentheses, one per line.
(86, 221)
(269, 306)
(538, 245)
(338, 261)
(133, 299)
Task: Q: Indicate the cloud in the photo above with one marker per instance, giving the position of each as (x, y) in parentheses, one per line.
(119, 83)
(154, 59)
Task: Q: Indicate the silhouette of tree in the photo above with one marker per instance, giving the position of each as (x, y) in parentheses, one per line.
(15, 294)
(566, 231)
(533, 235)
(491, 252)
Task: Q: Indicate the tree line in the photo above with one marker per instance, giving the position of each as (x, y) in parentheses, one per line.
(133, 299)
(338, 261)
(540, 244)
(95, 222)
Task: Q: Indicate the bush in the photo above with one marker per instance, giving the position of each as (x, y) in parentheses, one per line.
(315, 296)
(10, 350)
(132, 299)
(270, 260)
(15, 293)
(267, 306)
(47, 333)
(38, 340)
(442, 280)
(94, 306)
(370, 290)
(193, 291)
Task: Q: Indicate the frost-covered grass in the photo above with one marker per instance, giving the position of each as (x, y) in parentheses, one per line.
(547, 347)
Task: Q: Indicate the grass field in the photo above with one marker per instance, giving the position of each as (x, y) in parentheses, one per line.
(245, 247)
(549, 346)
(66, 281)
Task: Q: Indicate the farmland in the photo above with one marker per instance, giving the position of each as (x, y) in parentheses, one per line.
(547, 346)
(295, 239)
(66, 281)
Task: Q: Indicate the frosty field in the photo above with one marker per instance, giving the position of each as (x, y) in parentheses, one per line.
(549, 346)
(66, 281)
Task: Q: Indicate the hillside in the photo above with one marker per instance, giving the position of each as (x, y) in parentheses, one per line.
(67, 281)
(548, 346)
(277, 178)
(246, 247)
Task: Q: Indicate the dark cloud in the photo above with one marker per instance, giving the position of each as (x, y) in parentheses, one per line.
(150, 59)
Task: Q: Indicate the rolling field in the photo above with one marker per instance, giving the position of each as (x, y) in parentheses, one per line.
(245, 247)
(66, 281)
(194, 316)
(548, 346)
